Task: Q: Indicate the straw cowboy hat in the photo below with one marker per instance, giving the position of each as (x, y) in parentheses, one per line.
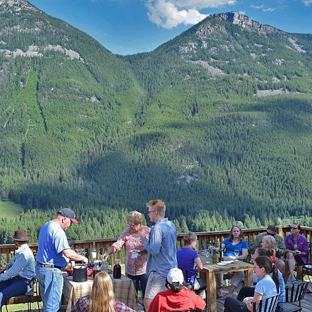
(21, 236)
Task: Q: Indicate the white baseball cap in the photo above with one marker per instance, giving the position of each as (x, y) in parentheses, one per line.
(175, 275)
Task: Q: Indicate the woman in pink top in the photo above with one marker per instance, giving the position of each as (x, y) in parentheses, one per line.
(136, 254)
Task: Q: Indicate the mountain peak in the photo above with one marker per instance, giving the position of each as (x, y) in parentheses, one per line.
(216, 24)
(245, 22)
(16, 5)
(12, 2)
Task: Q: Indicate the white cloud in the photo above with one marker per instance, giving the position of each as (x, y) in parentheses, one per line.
(258, 7)
(263, 8)
(171, 13)
(307, 2)
(268, 10)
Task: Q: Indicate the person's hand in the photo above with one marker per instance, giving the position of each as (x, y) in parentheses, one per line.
(249, 304)
(104, 256)
(84, 260)
(4, 268)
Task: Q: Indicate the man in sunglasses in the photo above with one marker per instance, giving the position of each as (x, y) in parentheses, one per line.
(280, 243)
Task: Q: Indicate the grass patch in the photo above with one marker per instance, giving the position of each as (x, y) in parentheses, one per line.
(23, 307)
(10, 210)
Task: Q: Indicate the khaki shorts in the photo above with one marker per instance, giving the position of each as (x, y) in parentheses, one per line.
(155, 284)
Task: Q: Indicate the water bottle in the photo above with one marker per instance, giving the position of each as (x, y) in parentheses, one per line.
(117, 269)
(104, 266)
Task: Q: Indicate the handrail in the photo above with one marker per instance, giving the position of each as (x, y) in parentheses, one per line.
(204, 239)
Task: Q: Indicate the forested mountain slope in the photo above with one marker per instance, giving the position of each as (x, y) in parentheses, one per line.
(216, 122)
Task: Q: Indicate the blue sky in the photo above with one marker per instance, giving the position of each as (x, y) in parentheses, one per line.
(134, 26)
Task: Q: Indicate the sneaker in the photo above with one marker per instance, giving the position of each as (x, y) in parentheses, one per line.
(293, 280)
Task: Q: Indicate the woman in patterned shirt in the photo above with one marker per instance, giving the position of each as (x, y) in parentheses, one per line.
(136, 254)
(102, 297)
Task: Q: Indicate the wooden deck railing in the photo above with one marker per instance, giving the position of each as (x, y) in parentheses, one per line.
(204, 239)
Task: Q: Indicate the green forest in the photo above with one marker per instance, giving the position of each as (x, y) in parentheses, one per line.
(216, 123)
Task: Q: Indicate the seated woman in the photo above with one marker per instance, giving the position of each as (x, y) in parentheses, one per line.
(267, 287)
(297, 251)
(248, 291)
(268, 242)
(230, 245)
(189, 262)
(102, 297)
(177, 297)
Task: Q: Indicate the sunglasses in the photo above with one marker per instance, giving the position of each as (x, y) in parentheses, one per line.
(293, 228)
(272, 234)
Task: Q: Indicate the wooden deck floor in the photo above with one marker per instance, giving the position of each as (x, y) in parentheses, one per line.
(306, 305)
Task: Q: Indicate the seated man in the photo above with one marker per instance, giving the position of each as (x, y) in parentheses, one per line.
(17, 274)
(177, 297)
(280, 243)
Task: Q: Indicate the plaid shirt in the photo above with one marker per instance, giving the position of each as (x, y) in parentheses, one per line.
(121, 307)
(82, 305)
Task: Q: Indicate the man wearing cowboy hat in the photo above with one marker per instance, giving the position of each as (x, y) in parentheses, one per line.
(18, 273)
(53, 254)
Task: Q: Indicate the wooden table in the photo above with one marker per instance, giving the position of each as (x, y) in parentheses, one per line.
(210, 271)
(123, 288)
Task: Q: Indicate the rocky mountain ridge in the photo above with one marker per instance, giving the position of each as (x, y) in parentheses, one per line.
(15, 5)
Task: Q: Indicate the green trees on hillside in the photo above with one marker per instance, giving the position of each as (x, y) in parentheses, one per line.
(83, 128)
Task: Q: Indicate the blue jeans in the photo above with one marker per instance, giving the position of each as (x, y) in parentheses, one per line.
(142, 279)
(11, 288)
(51, 287)
(234, 305)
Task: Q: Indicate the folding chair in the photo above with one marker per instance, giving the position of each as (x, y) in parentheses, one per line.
(268, 305)
(189, 284)
(293, 296)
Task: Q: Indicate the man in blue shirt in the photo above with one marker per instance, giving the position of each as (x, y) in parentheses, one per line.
(17, 274)
(161, 249)
(53, 254)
